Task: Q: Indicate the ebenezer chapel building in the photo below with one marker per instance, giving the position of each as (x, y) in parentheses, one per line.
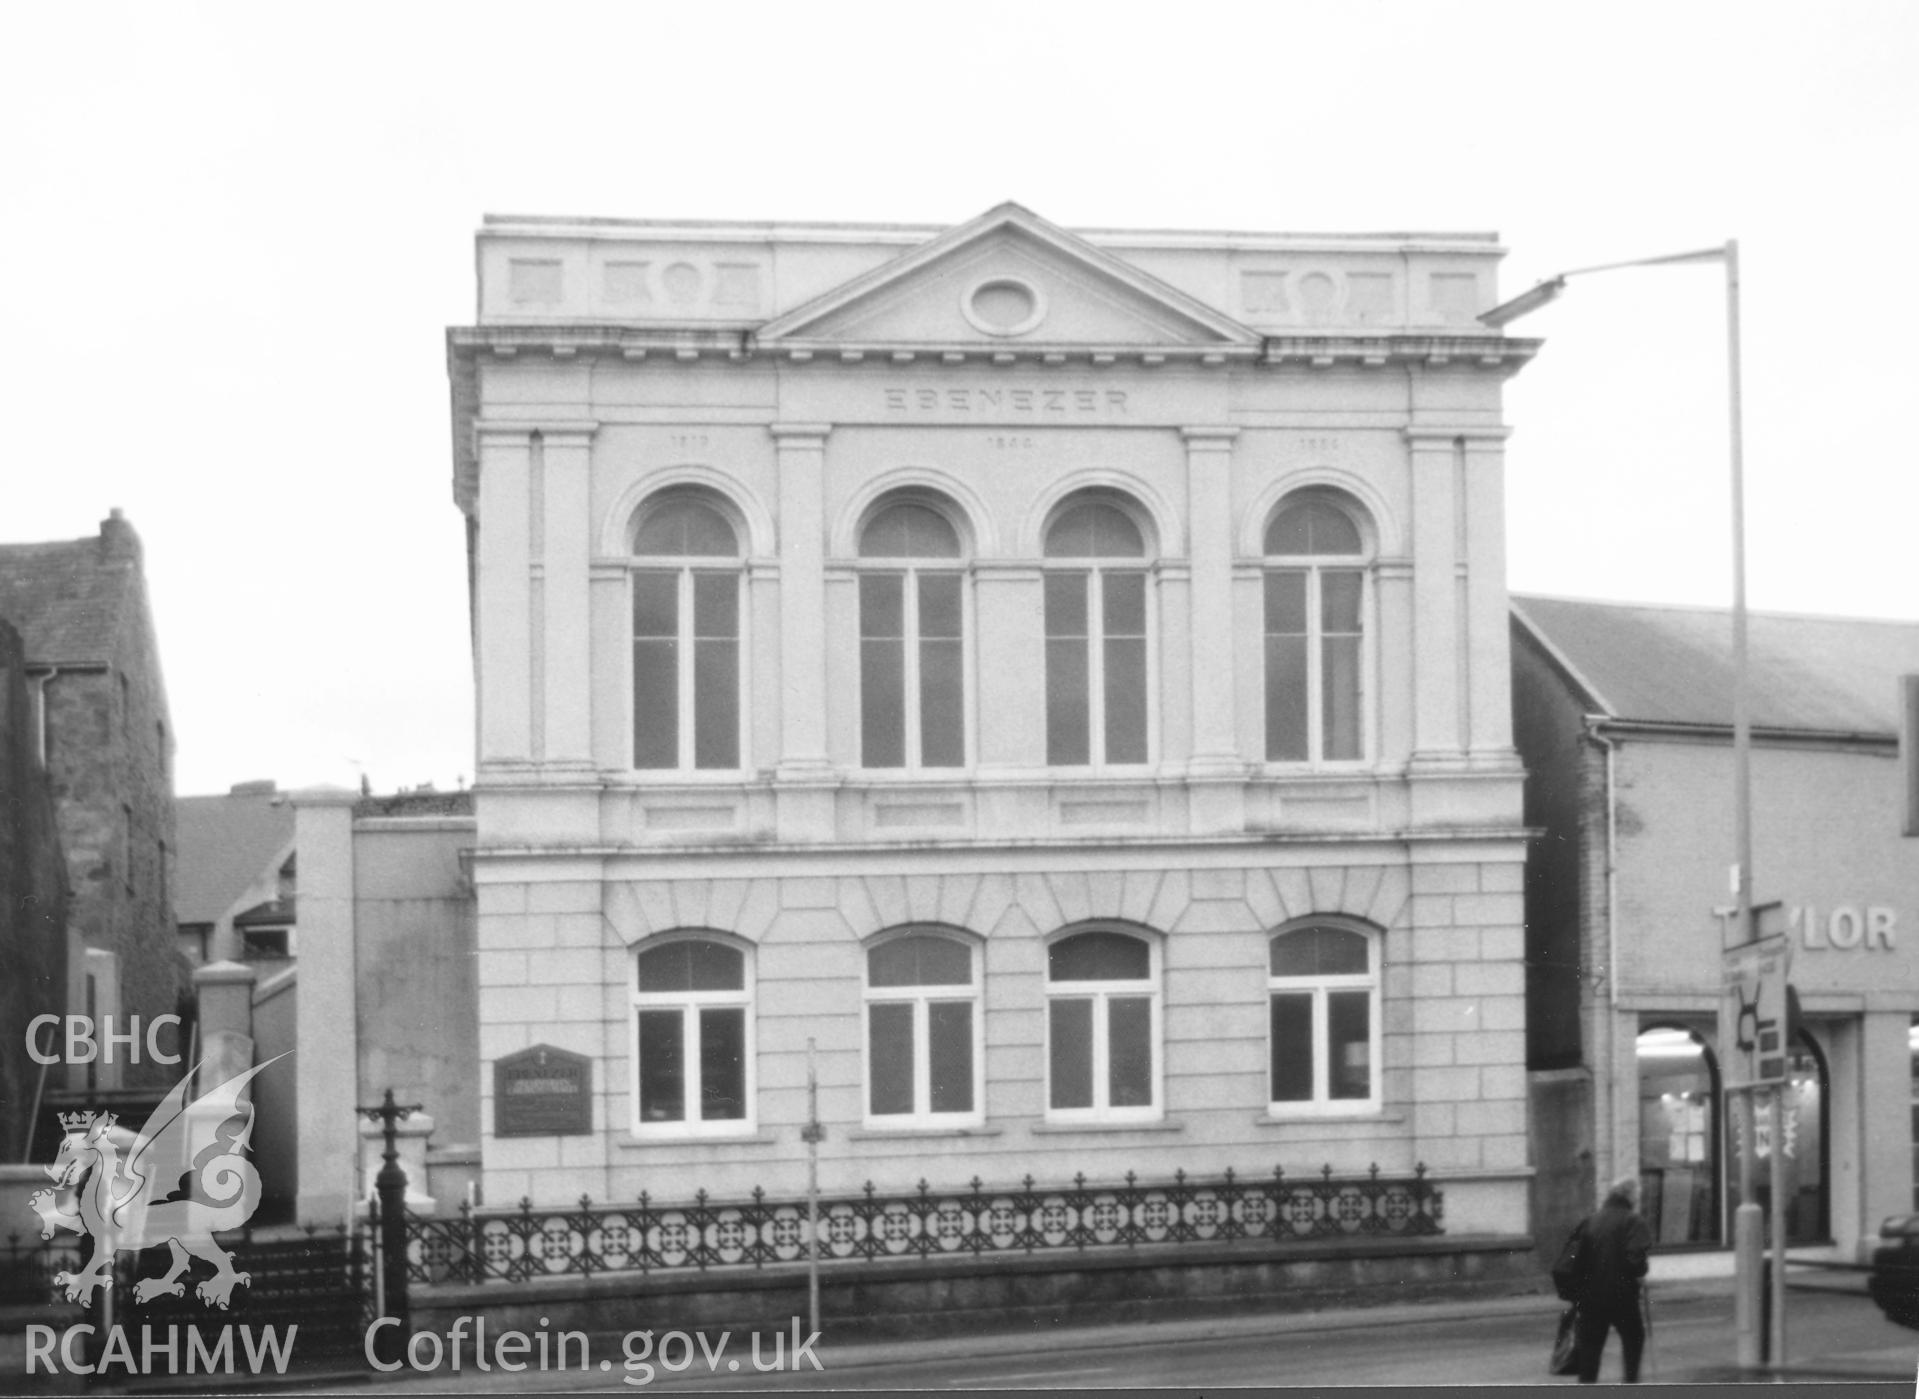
(1062, 677)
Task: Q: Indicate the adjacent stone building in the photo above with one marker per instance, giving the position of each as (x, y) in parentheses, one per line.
(237, 877)
(99, 726)
(1623, 715)
(381, 996)
(1052, 684)
(33, 898)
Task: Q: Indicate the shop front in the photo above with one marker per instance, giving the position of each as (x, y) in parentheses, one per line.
(1692, 1137)
(1621, 716)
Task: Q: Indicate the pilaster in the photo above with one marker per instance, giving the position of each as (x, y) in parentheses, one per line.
(1398, 676)
(1009, 632)
(327, 1066)
(1437, 679)
(564, 692)
(1215, 769)
(1488, 646)
(804, 775)
(503, 655)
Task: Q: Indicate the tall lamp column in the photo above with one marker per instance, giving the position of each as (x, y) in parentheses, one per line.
(1748, 1225)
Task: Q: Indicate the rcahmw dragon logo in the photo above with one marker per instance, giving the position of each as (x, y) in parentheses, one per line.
(184, 1176)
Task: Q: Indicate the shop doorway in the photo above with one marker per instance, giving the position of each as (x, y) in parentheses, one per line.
(1808, 1102)
(1679, 1136)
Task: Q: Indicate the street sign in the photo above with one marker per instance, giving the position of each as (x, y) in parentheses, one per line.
(1752, 1012)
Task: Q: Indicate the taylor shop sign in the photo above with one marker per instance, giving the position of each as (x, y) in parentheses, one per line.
(1858, 928)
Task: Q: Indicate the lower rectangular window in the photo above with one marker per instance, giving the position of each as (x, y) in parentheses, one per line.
(949, 1052)
(1072, 1053)
(722, 1064)
(1293, 1048)
(665, 1057)
(1349, 1036)
(890, 1044)
(1129, 1051)
(662, 1066)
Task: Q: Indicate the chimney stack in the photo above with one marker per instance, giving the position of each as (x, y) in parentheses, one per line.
(117, 537)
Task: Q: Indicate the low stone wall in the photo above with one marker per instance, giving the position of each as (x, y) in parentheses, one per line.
(911, 1298)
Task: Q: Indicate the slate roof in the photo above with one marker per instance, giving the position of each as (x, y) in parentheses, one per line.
(67, 597)
(1662, 664)
(225, 844)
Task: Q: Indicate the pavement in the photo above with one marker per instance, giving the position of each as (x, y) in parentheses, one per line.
(1872, 1364)
(1863, 1348)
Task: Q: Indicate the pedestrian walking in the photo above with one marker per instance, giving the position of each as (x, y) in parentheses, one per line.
(1612, 1244)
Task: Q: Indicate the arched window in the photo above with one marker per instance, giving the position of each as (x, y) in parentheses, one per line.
(1096, 637)
(912, 638)
(1323, 981)
(1316, 604)
(1806, 1099)
(686, 635)
(922, 1032)
(1678, 1136)
(692, 1037)
(1102, 1027)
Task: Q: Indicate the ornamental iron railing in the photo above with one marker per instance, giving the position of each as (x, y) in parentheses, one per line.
(644, 1237)
(313, 1277)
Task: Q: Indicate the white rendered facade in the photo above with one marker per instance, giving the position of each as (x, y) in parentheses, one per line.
(994, 586)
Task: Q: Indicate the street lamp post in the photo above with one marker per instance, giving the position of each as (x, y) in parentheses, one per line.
(1747, 1220)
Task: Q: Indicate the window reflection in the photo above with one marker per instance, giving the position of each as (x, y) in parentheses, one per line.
(1678, 1133)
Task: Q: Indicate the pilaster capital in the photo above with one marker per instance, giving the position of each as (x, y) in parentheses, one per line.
(1208, 439)
(506, 433)
(799, 434)
(1435, 435)
(576, 435)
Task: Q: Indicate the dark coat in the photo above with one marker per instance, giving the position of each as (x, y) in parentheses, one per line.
(1616, 1244)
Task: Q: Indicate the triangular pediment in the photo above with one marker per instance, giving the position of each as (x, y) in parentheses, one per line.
(1008, 280)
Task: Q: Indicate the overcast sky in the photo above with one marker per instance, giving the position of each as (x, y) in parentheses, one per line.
(234, 237)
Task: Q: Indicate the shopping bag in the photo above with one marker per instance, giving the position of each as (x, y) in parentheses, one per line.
(1565, 1359)
(1570, 1269)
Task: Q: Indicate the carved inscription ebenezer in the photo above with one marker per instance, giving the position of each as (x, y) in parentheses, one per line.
(1036, 402)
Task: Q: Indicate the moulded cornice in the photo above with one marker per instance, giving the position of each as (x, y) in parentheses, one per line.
(739, 345)
(1375, 352)
(1001, 352)
(908, 235)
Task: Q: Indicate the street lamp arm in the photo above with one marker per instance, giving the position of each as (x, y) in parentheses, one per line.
(1529, 301)
(1717, 254)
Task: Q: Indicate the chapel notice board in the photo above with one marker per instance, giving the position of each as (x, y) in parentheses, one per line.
(542, 1092)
